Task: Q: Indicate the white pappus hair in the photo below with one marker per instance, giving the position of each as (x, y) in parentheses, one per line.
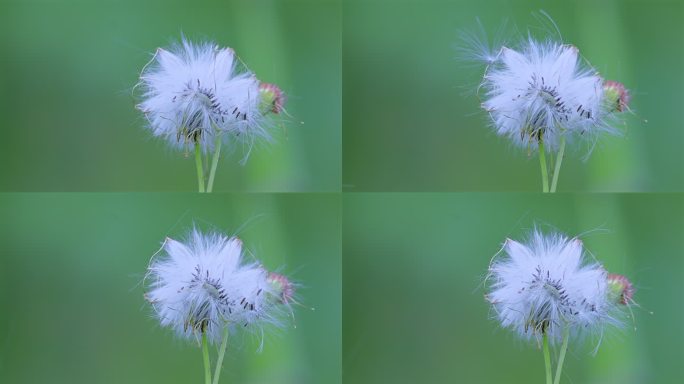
(546, 285)
(193, 93)
(205, 285)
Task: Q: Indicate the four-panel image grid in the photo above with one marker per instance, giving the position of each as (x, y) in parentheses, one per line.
(342, 191)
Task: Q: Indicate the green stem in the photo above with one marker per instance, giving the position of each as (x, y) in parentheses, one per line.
(222, 352)
(547, 358)
(200, 168)
(564, 348)
(559, 161)
(205, 356)
(206, 161)
(214, 163)
(544, 171)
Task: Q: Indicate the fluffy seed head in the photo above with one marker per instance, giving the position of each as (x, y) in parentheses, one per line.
(205, 285)
(547, 284)
(193, 93)
(541, 91)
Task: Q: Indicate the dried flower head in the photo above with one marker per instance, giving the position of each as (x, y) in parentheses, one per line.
(617, 97)
(205, 285)
(284, 288)
(621, 289)
(546, 285)
(272, 98)
(193, 93)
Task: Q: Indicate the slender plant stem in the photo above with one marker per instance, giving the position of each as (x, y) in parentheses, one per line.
(547, 359)
(559, 161)
(214, 164)
(206, 161)
(205, 356)
(200, 168)
(544, 171)
(222, 352)
(561, 357)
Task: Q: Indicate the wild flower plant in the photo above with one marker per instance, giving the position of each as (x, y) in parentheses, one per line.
(198, 96)
(541, 94)
(203, 288)
(547, 290)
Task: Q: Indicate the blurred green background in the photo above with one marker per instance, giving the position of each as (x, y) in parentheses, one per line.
(412, 121)
(68, 69)
(72, 307)
(413, 301)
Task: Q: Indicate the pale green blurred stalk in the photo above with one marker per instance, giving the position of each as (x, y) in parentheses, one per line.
(542, 163)
(200, 168)
(205, 356)
(547, 358)
(222, 353)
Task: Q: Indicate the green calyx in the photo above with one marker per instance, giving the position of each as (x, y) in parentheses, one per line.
(272, 98)
(615, 95)
(620, 289)
(282, 287)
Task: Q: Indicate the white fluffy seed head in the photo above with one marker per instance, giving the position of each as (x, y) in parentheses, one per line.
(542, 90)
(205, 285)
(194, 93)
(547, 285)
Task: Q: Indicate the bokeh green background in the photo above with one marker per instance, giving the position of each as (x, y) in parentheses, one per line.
(412, 121)
(71, 302)
(67, 73)
(413, 301)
